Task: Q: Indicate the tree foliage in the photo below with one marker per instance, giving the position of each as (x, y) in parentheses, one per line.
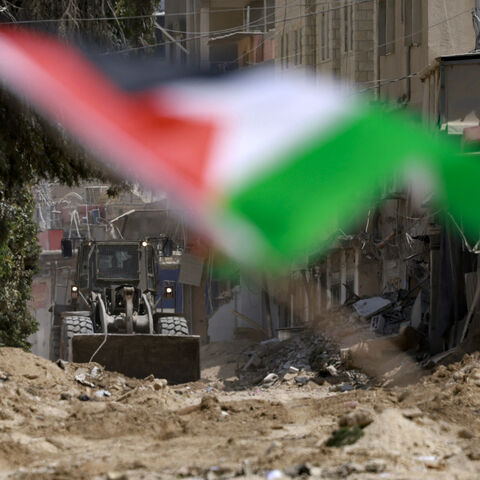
(18, 264)
(30, 150)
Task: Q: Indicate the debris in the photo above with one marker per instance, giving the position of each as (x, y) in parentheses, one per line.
(370, 306)
(125, 395)
(274, 475)
(440, 357)
(292, 369)
(345, 387)
(81, 376)
(270, 380)
(102, 393)
(302, 469)
(375, 466)
(61, 363)
(160, 384)
(343, 471)
(270, 341)
(302, 380)
(83, 397)
(253, 363)
(332, 370)
(116, 476)
(96, 373)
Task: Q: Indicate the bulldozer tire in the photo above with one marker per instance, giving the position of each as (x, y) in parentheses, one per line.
(172, 326)
(71, 326)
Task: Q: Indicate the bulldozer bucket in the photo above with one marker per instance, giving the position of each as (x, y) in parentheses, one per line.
(176, 358)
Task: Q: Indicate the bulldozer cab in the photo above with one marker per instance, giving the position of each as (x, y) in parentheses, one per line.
(105, 264)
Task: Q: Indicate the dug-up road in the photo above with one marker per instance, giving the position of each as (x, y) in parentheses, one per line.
(67, 421)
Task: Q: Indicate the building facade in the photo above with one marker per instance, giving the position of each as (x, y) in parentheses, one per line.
(387, 49)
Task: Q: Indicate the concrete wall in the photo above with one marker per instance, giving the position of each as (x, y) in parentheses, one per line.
(446, 29)
(450, 29)
(247, 300)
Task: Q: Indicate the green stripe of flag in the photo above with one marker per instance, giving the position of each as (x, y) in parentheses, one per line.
(321, 184)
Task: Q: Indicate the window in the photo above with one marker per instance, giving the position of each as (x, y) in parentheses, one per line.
(327, 33)
(323, 34)
(351, 28)
(348, 28)
(386, 26)
(413, 22)
(295, 41)
(286, 49)
(282, 49)
(300, 47)
(117, 262)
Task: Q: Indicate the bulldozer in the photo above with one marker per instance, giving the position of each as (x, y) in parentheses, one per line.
(113, 316)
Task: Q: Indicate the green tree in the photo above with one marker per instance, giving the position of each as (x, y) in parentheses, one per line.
(30, 150)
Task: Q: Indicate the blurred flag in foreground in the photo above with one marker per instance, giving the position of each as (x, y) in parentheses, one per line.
(268, 166)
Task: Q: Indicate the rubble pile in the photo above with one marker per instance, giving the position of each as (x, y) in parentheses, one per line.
(303, 358)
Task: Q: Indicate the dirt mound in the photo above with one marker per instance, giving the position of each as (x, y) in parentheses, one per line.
(38, 398)
(395, 434)
(19, 365)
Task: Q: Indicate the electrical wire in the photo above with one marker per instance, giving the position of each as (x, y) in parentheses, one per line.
(137, 17)
(238, 28)
(379, 83)
(475, 250)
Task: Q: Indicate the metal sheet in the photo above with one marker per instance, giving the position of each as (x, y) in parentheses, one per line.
(191, 269)
(370, 306)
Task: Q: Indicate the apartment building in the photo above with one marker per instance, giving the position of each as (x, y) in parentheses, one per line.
(331, 37)
(222, 35)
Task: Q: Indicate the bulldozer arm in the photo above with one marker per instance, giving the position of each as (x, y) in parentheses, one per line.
(176, 358)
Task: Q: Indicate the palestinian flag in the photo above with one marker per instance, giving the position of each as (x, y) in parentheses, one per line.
(269, 165)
